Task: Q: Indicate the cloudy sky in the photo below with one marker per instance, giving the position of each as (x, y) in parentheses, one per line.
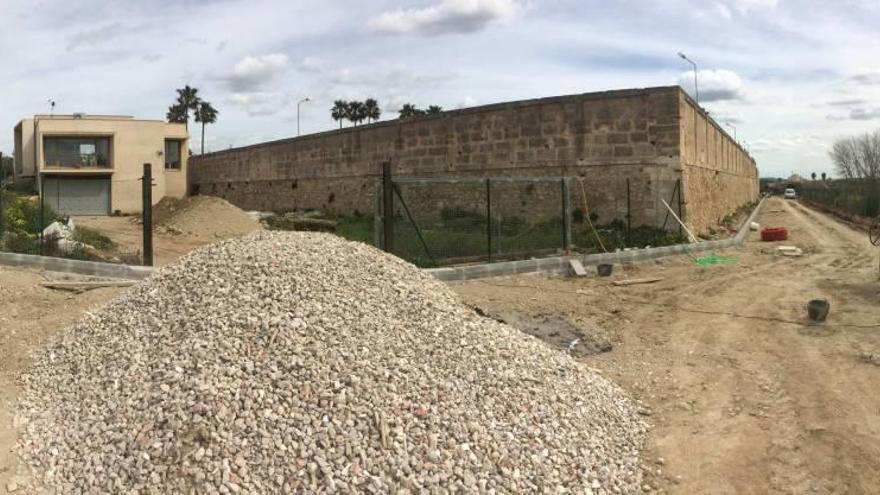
(791, 75)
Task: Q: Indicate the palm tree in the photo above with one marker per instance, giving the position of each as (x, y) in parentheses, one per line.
(813, 175)
(187, 99)
(824, 176)
(373, 110)
(434, 110)
(176, 114)
(206, 114)
(408, 110)
(356, 112)
(339, 111)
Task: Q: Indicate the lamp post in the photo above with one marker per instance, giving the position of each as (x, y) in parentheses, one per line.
(300, 102)
(696, 88)
(728, 124)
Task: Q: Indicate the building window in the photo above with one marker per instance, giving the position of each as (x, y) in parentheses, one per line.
(77, 152)
(172, 153)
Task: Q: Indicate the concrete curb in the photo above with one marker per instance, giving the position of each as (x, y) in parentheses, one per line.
(559, 265)
(95, 269)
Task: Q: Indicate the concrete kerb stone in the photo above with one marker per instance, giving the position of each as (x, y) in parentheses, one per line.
(48, 263)
(559, 264)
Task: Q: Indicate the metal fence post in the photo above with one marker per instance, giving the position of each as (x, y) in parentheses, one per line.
(680, 213)
(566, 215)
(628, 208)
(377, 216)
(387, 207)
(147, 208)
(42, 212)
(489, 219)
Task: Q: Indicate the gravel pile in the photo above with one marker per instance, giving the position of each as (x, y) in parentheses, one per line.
(205, 216)
(302, 363)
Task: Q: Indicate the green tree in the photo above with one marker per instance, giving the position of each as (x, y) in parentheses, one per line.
(6, 167)
(176, 114)
(373, 110)
(356, 112)
(813, 175)
(408, 110)
(434, 110)
(824, 176)
(339, 112)
(205, 114)
(187, 99)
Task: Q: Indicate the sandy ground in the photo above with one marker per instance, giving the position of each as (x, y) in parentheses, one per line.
(744, 395)
(29, 315)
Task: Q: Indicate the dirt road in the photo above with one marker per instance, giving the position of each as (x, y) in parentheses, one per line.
(29, 315)
(744, 395)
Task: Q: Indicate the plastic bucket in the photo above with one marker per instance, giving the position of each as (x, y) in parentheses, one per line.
(604, 269)
(817, 309)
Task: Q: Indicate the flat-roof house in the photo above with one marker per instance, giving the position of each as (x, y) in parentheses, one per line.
(92, 164)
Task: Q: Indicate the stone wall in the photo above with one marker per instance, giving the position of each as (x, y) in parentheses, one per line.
(601, 138)
(718, 175)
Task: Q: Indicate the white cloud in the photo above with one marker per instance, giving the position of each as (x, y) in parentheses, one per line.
(714, 85)
(447, 16)
(745, 6)
(866, 77)
(94, 36)
(252, 73)
(468, 101)
(260, 103)
(312, 64)
(865, 114)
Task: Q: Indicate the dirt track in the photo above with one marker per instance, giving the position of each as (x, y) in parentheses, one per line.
(756, 403)
(29, 315)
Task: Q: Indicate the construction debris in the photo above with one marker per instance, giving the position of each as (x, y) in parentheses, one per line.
(81, 286)
(790, 251)
(635, 281)
(577, 268)
(301, 363)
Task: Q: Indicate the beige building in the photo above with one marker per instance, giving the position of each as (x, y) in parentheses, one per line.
(92, 164)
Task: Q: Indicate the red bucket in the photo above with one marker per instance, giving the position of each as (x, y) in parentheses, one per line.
(774, 234)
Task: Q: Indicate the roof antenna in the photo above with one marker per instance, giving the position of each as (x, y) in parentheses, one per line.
(51, 107)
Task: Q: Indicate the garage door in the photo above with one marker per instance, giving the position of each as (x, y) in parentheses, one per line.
(78, 195)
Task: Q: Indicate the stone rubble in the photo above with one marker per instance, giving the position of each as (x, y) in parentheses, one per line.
(288, 362)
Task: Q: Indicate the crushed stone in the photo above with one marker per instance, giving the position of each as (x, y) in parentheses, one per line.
(287, 362)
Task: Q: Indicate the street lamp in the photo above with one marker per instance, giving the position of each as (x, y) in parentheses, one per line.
(696, 89)
(300, 102)
(728, 124)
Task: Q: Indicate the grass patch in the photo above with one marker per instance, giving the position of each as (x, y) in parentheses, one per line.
(93, 238)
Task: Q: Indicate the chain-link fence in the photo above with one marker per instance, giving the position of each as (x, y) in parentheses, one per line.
(29, 224)
(443, 221)
(458, 220)
(859, 197)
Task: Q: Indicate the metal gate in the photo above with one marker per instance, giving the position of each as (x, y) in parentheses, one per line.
(77, 195)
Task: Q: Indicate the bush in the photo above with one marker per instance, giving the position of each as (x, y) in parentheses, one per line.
(21, 222)
(93, 238)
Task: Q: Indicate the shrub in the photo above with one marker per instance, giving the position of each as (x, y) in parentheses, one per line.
(93, 238)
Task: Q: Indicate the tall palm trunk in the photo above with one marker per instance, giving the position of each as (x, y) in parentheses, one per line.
(203, 138)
